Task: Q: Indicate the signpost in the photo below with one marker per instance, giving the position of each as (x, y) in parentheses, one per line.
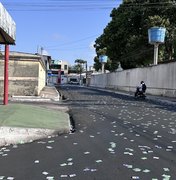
(7, 36)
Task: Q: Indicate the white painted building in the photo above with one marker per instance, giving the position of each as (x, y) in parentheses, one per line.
(58, 72)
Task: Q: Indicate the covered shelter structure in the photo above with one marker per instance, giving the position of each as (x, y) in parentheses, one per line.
(7, 37)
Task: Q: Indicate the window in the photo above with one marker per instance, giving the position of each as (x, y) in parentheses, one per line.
(62, 72)
(55, 66)
(65, 67)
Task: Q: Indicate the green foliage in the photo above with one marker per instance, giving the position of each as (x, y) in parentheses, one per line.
(72, 69)
(97, 64)
(80, 61)
(79, 67)
(126, 35)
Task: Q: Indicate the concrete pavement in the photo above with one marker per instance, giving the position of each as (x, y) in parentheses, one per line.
(159, 99)
(49, 93)
(21, 122)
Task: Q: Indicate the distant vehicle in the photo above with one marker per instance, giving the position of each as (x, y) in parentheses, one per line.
(73, 81)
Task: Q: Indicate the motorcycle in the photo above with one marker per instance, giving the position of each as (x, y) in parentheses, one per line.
(139, 93)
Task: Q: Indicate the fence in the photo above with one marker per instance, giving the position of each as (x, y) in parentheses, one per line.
(160, 79)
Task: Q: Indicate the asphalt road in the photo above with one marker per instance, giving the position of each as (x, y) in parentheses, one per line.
(117, 138)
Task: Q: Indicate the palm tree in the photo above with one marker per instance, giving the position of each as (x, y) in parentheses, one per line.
(80, 62)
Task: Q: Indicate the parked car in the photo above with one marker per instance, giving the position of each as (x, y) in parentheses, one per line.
(73, 82)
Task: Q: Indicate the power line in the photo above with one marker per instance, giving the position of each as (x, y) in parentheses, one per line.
(150, 5)
(61, 9)
(73, 42)
(54, 5)
(60, 5)
(67, 49)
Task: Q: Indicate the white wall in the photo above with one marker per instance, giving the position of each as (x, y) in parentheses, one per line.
(160, 79)
(41, 78)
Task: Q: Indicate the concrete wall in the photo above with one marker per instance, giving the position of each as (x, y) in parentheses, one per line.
(41, 78)
(160, 79)
(26, 76)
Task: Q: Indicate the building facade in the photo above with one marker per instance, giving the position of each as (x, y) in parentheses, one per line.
(27, 73)
(58, 72)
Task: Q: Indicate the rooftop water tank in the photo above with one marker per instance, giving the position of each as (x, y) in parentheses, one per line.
(156, 35)
(103, 59)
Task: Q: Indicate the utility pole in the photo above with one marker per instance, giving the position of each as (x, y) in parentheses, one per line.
(6, 75)
(86, 73)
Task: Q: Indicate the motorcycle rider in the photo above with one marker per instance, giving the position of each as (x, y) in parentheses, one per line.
(140, 90)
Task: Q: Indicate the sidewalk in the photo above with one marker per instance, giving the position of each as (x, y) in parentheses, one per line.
(49, 93)
(22, 123)
(159, 99)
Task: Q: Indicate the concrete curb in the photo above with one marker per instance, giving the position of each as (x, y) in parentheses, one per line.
(15, 135)
(48, 94)
(34, 99)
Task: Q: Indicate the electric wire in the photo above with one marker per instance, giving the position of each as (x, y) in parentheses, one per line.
(67, 49)
(72, 42)
(60, 5)
(54, 5)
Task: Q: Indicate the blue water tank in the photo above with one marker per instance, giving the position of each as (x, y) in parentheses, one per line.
(103, 59)
(156, 35)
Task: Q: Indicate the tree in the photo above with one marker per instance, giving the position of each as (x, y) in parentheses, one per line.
(79, 66)
(97, 64)
(72, 69)
(80, 63)
(126, 35)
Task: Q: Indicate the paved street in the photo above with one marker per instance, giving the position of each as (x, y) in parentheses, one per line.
(117, 138)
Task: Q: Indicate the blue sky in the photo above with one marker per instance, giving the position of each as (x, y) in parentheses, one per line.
(66, 29)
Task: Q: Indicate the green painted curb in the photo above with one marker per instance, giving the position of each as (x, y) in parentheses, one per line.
(30, 116)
